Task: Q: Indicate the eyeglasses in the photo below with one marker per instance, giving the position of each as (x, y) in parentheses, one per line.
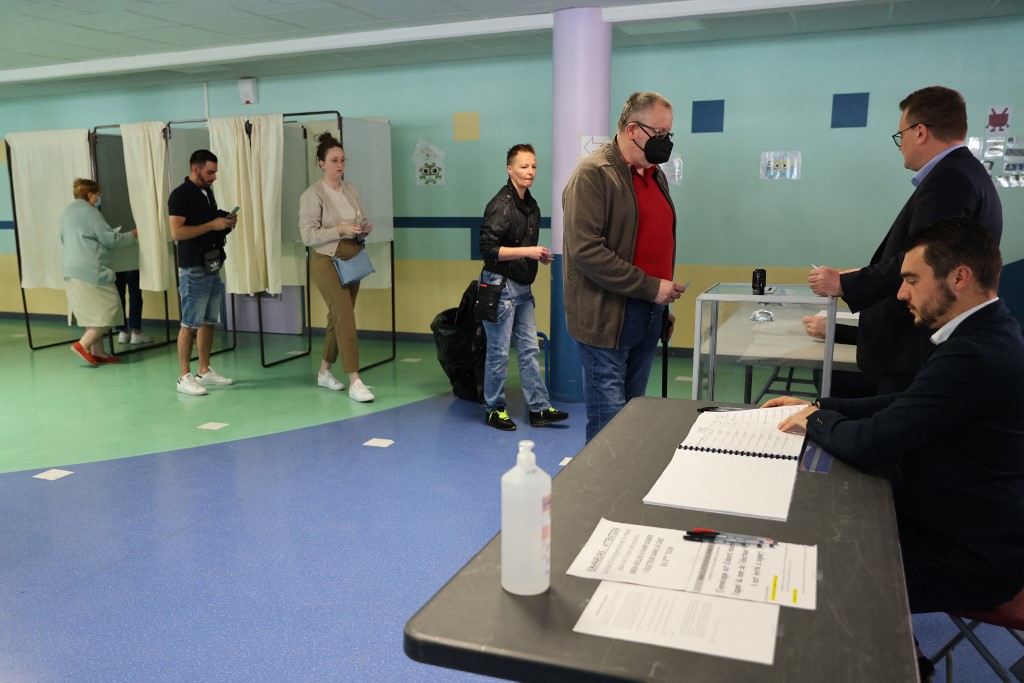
(654, 132)
(898, 137)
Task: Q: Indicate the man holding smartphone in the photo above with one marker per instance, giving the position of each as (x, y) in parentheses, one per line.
(200, 229)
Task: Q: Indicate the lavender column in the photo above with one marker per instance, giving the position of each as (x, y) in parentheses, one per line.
(582, 76)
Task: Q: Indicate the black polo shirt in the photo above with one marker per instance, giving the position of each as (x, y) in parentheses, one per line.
(197, 207)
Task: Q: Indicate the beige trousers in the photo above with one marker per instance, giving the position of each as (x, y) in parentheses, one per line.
(341, 307)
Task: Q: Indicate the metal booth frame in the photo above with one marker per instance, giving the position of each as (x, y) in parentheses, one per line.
(93, 141)
(17, 249)
(308, 298)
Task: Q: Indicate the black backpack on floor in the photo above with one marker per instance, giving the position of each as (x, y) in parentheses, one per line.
(462, 347)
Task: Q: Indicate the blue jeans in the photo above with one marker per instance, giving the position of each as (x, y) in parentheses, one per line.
(611, 377)
(516, 320)
(200, 294)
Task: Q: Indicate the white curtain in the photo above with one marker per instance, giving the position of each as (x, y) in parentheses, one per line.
(229, 142)
(249, 176)
(267, 141)
(145, 162)
(44, 165)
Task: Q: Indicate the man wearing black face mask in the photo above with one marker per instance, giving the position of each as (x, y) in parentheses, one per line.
(619, 251)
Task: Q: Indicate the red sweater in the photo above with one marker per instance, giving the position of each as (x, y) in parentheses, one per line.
(654, 243)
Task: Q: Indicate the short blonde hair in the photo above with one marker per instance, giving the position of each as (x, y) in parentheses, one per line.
(83, 187)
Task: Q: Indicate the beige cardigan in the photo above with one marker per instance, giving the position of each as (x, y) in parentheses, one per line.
(319, 217)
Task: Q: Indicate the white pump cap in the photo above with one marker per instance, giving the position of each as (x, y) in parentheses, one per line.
(526, 458)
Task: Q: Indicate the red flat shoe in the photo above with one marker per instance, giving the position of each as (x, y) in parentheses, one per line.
(80, 351)
(108, 359)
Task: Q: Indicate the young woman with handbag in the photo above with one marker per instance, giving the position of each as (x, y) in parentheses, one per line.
(333, 223)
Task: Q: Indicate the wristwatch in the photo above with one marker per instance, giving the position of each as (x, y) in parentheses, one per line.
(817, 403)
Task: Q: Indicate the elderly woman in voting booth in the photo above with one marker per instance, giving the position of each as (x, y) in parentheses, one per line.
(93, 301)
(332, 221)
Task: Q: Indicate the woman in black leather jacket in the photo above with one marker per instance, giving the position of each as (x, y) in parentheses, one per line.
(508, 244)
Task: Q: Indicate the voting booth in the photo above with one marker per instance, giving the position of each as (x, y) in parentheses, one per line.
(123, 156)
(42, 166)
(265, 162)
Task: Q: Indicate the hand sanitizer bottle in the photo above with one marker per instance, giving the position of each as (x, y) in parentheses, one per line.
(526, 526)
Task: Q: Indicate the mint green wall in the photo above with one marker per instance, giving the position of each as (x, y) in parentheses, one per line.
(778, 96)
(512, 96)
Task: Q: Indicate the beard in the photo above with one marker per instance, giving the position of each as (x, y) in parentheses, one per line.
(926, 317)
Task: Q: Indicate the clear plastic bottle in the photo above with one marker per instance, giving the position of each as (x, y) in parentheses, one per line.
(526, 525)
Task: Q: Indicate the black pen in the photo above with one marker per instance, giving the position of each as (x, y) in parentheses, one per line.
(718, 409)
(712, 536)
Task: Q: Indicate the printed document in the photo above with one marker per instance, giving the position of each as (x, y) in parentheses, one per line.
(684, 621)
(746, 432)
(785, 574)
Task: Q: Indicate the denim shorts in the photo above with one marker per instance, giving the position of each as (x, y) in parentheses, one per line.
(200, 293)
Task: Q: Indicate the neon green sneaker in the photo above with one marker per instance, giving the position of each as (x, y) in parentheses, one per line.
(499, 419)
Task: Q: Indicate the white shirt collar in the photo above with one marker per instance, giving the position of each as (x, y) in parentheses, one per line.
(944, 332)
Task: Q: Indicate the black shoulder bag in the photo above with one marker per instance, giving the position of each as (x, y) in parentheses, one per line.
(487, 296)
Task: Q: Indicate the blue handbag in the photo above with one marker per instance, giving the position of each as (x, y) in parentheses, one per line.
(355, 268)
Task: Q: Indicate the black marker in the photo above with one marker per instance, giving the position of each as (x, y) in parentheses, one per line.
(719, 409)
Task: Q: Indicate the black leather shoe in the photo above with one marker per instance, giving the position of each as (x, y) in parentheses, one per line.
(539, 418)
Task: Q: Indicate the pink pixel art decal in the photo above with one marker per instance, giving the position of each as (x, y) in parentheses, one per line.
(998, 119)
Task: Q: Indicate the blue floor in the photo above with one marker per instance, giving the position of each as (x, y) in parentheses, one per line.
(291, 557)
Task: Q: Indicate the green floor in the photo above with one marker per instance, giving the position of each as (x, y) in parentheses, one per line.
(57, 411)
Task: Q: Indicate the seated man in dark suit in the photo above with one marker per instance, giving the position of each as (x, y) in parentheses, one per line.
(953, 441)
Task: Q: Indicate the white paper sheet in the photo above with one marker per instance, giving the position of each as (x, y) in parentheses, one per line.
(726, 483)
(785, 574)
(52, 475)
(699, 623)
(746, 431)
(735, 483)
(840, 315)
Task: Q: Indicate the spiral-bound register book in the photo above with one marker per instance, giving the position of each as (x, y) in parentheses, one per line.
(736, 462)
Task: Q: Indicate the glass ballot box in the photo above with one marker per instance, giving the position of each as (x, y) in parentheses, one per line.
(734, 327)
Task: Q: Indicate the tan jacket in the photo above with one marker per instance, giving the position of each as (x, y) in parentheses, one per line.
(319, 218)
(600, 226)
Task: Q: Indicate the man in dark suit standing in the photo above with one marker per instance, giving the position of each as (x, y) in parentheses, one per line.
(949, 181)
(953, 442)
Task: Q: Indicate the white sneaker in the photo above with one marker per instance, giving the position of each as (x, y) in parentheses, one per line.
(123, 337)
(360, 392)
(329, 381)
(212, 378)
(138, 338)
(189, 385)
